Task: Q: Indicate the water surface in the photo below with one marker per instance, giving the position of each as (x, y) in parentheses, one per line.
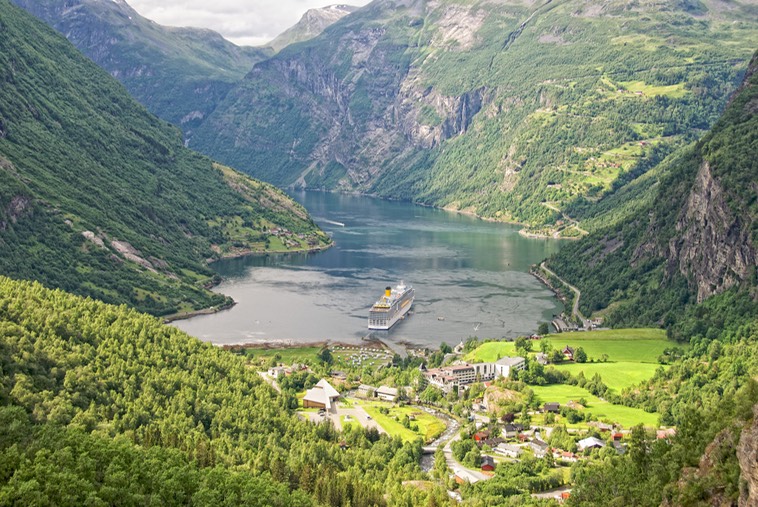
(471, 279)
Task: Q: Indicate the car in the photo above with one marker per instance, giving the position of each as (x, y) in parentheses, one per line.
(368, 417)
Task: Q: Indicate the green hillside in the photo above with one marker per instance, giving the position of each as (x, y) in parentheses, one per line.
(694, 236)
(179, 74)
(101, 405)
(100, 198)
(514, 111)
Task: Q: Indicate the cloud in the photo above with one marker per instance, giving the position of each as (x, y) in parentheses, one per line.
(241, 21)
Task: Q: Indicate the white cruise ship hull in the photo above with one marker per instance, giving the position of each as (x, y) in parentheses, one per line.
(390, 309)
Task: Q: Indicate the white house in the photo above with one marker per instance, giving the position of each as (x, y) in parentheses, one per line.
(509, 450)
(386, 393)
(504, 366)
(589, 443)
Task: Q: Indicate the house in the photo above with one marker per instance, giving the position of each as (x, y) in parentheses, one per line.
(665, 434)
(618, 436)
(512, 430)
(505, 365)
(590, 443)
(339, 375)
(462, 476)
(538, 447)
(276, 372)
(366, 391)
(566, 456)
(602, 426)
(322, 395)
(509, 450)
(488, 464)
(492, 442)
(386, 393)
(479, 436)
(552, 407)
(620, 448)
(541, 358)
(568, 353)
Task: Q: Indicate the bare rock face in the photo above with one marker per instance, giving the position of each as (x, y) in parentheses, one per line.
(747, 453)
(313, 22)
(712, 247)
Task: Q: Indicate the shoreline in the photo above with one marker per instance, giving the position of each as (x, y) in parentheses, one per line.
(215, 281)
(523, 231)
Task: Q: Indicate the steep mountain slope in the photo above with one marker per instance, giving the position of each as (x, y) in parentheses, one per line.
(697, 237)
(180, 74)
(100, 197)
(103, 378)
(313, 22)
(512, 110)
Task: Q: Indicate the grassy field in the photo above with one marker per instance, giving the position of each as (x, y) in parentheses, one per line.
(626, 416)
(429, 427)
(287, 355)
(632, 353)
(615, 375)
(621, 345)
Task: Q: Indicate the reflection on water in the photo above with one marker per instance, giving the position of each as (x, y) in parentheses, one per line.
(471, 279)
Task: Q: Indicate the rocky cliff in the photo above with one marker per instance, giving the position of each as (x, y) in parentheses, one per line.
(693, 235)
(180, 74)
(512, 110)
(747, 454)
(313, 22)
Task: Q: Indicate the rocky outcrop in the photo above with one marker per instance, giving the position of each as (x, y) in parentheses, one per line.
(747, 454)
(313, 22)
(712, 247)
(175, 72)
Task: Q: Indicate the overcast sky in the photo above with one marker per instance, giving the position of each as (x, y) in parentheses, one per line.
(244, 22)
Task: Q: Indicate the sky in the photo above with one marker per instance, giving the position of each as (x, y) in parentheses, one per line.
(244, 22)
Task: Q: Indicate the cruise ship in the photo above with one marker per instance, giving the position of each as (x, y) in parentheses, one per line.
(391, 307)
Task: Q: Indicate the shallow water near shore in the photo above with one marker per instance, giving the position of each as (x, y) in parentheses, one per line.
(471, 279)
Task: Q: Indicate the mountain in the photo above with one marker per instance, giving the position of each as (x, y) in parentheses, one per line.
(511, 110)
(313, 22)
(180, 74)
(690, 234)
(99, 197)
(102, 405)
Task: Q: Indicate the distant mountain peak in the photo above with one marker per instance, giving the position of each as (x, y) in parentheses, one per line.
(313, 22)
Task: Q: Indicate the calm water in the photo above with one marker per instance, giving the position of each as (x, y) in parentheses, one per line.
(471, 273)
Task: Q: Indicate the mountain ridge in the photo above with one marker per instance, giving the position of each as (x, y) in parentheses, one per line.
(179, 73)
(496, 112)
(100, 198)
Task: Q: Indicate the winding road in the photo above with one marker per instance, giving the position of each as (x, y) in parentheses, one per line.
(575, 310)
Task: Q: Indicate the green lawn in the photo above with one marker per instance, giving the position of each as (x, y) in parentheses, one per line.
(621, 345)
(615, 375)
(287, 355)
(429, 427)
(626, 416)
(491, 352)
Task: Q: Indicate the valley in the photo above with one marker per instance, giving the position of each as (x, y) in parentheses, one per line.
(451, 145)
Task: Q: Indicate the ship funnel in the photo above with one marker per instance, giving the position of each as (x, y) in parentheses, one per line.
(388, 291)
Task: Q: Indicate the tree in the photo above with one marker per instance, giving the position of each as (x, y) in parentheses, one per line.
(445, 348)
(326, 355)
(580, 356)
(543, 328)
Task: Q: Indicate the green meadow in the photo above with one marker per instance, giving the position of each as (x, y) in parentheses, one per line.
(604, 411)
(429, 427)
(632, 353)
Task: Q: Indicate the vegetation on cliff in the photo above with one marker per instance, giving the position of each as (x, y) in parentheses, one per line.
(100, 198)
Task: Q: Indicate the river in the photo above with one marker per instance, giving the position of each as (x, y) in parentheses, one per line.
(471, 279)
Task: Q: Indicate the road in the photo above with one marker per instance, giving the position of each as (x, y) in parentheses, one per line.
(270, 381)
(575, 310)
(453, 464)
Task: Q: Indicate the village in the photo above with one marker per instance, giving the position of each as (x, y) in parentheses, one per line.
(478, 414)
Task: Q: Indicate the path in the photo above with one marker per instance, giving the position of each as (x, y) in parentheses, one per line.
(567, 218)
(575, 310)
(270, 381)
(453, 464)
(553, 493)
